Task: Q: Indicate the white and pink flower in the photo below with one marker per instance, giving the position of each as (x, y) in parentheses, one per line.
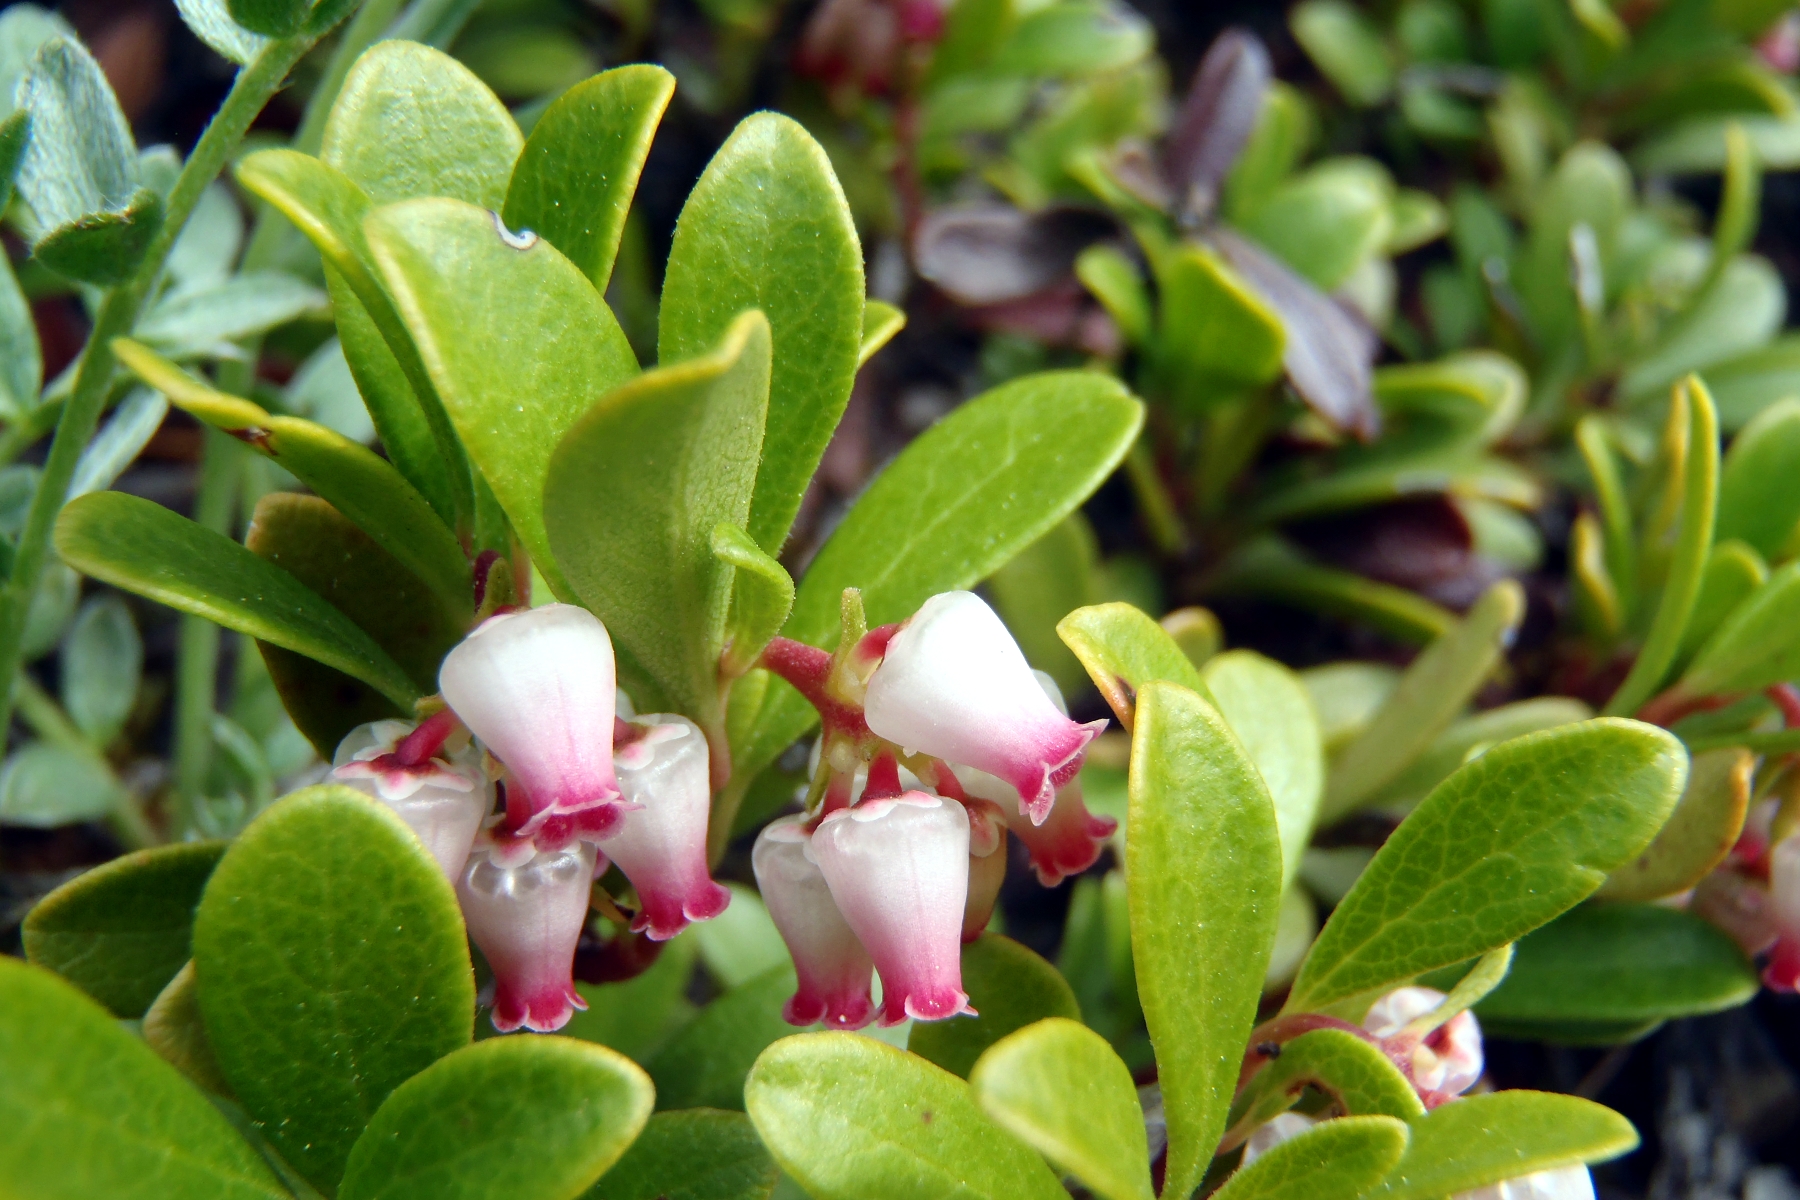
(833, 968)
(1783, 972)
(441, 797)
(1447, 1060)
(661, 843)
(898, 870)
(537, 687)
(953, 684)
(527, 918)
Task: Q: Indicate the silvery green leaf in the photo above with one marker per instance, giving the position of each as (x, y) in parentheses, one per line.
(324, 390)
(210, 241)
(21, 360)
(23, 29)
(202, 321)
(212, 24)
(132, 426)
(51, 607)
(42, 786)
(158, 167)
(102, 663)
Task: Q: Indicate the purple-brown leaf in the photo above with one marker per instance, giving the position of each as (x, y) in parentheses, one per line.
(986, 254)
(1215, 120)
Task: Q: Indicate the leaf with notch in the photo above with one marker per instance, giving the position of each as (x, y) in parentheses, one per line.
(1698, 834)
(1510, 841)
(142, 547)
(333, 967)
(573, 182)
(120, 931)
(1058, 1087)
(767, 227)
(548, 1114)
(472, 295)
(851, 1118)
(94, 1112)
(634, 494)
(1203, 871)
(1354, 1073)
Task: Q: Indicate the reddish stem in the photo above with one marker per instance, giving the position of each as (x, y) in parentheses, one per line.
(425, 741)
(884, 778)
(1281, 1030)
(484, 564)
(1787, 699)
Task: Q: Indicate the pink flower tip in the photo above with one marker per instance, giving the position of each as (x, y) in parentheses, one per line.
(660, 843)
(527, 917)
(955, 685)
(831, 965)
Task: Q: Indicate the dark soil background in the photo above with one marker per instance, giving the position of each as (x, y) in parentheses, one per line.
(1717, 1099)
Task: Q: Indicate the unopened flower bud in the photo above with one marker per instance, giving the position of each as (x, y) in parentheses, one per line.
(899, 872)
(1446, 1060)
(955, 685)
(1783, 972)
(661, 845)
(833, 968)
(987, 864)
(527, 919)
(537, 688)
(441, 800)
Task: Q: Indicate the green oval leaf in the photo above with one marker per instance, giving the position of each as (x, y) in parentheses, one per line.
(1353, 1072)
(174, 1028)
(141, 546)
(1123, 649)
(851, 1118)
(767, 227)
(1757, 645)
(1341, 1159)
(1733, 572)
(1325, 222)
(91, 1111)
(1203, 869)
(696, 1154)
(1010, 986)
(1754, 502)
(333, 966)
(1511, 840)
(1268, 709)
(634, 493)
(472, 295)
(1058, 1087)
(546, 1115)
(1216, 336)
(1620, 964)
(1698, 834)
(572, 184)
(411, 121)
(1480, 1140)
(762, 596)
(120, 931)
(704, 1065)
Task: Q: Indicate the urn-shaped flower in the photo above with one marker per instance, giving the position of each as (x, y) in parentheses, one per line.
(661, 843)
(833, 968)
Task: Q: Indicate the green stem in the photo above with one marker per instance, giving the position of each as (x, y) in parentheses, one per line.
(1155, 505)
(197, 661)
(118, 313)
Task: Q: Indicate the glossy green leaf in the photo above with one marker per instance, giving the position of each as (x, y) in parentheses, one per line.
(1507, 843)
(1123, 650)
(358, 482)
(142, 547)
(1268, 709)
(1746, 384)
(174, 1028)
(762, 596)
(1430, 695)
(547, 1114)
(270, 18)
(91, 1111)
(1737, 315)
(44, 785)
(1058, 1087)
(1216, 336)
(1346, 696)
(1475, 390)
(1341, 1159)
(1354, 1073)
(1480, 1140)
(1693, 536)
(1073, 38)
(851, 1118)
(1113, 280)
(1734, 571)
(120, 931)
(1283, 132)
(411, 121)
(1203, 865)
(696, 1154)
(317, 545)
(1325, 222)
(1620, 963)
(635, 493)
(329, 207)
(704, 1065)
(467, 289)
(1269, 567)
(1044, 583)
(881, 323)
(333, 967)
(102, 665)
(1757, 645)
(1590, 186)
(1472, 735)
(1346, 48)
(1754, 502)
(961, 499)
(1699, 833)
(742, 942)
(635, 1017)
(1010, 986)
(767, 227)
(573, 183)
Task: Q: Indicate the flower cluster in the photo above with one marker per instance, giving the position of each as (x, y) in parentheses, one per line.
(1755, 895)
(1443, 1059)
(937, 740)
(566, 786)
